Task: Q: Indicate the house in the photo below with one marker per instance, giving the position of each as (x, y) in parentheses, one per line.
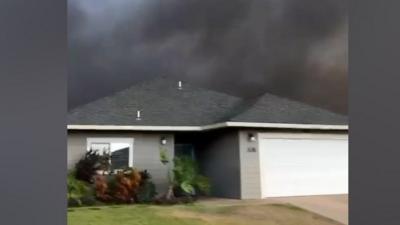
(266, 147)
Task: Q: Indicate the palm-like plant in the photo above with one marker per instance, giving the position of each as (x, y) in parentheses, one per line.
(187, 177)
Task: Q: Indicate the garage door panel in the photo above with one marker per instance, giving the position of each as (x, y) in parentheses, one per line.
(295, 167)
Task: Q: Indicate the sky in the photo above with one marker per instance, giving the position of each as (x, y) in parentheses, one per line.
(292, 48)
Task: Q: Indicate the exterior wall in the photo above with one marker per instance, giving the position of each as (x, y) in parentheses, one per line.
(250, 158)
(146, 151)
(218, 156)
(250, 167)
(226, 157)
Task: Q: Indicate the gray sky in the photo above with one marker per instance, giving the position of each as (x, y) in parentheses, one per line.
(292, 48)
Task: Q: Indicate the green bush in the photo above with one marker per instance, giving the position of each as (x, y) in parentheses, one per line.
(87, 188)
(147, 189)
(73, 202)
(88, 200)
(146, 192)
(187, 177)
(77, 189)
(202, 183)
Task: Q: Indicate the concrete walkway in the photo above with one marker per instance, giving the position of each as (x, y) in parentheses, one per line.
(331, 206)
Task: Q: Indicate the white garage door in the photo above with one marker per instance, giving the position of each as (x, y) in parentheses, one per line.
(303, 166)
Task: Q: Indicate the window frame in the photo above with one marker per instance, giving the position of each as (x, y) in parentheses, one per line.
(110, 140)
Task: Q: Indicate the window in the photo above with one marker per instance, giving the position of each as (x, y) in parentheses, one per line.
(184, 150)
(120, 150)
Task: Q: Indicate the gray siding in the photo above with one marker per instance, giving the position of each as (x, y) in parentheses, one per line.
(146, 151)
(219, 160)
(250, 167)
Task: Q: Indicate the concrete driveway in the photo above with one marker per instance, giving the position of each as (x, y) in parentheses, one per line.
(332, 206)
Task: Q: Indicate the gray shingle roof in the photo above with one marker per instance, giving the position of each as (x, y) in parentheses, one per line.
(273, 109)
(162, 104)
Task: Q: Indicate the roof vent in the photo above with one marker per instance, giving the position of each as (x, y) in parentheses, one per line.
(179, 85)
(138, 116)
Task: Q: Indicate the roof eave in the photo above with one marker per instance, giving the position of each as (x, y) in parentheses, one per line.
(209, 127)
(288, 126)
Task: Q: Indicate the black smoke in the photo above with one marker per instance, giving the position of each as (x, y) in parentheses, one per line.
(293, 48)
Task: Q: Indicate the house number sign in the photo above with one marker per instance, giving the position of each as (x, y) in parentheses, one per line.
(251, 149)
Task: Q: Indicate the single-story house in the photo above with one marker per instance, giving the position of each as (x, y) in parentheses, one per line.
(250, 149)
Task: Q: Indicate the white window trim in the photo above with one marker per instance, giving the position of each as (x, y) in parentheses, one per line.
(129, 141)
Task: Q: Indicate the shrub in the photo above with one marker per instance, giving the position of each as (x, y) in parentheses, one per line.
(202, 184)
(72, 202)
(146, 192)
(101, 185)
(88, 200)
(145, 175)
(187, 177)
(76, 189)
(87, 167)
(125, 186)
(147, 189)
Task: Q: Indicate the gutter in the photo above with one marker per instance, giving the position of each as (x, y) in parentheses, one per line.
(209, 127)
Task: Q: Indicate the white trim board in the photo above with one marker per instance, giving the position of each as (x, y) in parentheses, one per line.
(208, 127)
(302, 136)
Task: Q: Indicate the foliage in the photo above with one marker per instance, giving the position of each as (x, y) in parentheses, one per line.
(147, 189)
(185, 183)
(74, 202)
(101, 184)
(88, 200)
(86, 186)
(187, 177)
(125, 186)
(202, 183)
(145, 175)
(87, 167)
(146, 192)
(164, 156)
(77, 190)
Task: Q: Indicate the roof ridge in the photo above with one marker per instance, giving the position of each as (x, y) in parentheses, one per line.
(258, 98)
(150, 81)
(115, 93)
(274, 107)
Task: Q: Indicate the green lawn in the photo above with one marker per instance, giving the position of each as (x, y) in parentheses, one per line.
(271, 214)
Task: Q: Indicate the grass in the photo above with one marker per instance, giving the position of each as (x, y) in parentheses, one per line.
(270, 214)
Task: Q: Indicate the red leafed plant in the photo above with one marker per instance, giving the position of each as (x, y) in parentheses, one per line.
(102, 188)
(126, 186)
(121, 187)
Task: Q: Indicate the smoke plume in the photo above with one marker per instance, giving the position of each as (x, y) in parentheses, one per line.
(291, 48)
